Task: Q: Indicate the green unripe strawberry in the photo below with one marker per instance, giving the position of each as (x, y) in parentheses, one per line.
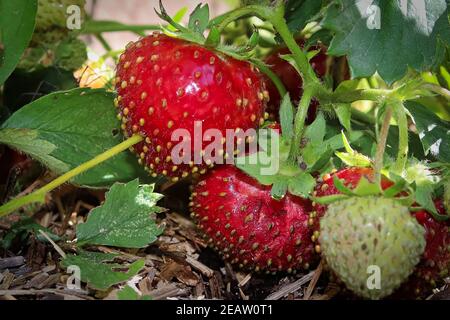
(53, 13)
(48, 38)
(51, 21)
(371, 243)
(68, 54)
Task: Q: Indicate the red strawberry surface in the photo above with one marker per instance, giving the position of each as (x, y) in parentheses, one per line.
(248, 226)
(164, 84)
(291, 79)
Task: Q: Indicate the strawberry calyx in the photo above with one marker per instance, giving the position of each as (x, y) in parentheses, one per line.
(198, 23)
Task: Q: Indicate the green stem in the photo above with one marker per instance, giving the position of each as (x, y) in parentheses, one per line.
(437, 89)
(222, 21)
(276, 17)
(301, 60)
(103, 42)
(402, 122)
(299, 123)
(311, 82)
(271, 75)
(39, 195)
(351, 96)
(382, 143)
(100, 26)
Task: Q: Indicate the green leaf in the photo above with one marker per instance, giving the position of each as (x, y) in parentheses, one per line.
(66, 129)
(424, 197)
(337, 142)
(279, 189)
(323, 36)
(97, 273)
(366, 188)
(16, 28)
(172, 22)
(344, 113)
(315, 132)
(253, 41)
(24, 227)
(299, 12)
(316, 153)
(124, 219)
(213, 38)
(199, 18)
(27, 140)
(178, 17)
(322, 160)
(127, 293)
(354, 160)
(265, 164)
(287, 117)
(434, 133)
(388, 36)
(339, 184)
(351, 157)
(302, 185)
(257, 165)
(395, 189)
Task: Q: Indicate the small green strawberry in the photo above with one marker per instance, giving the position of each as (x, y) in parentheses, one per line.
(361, 236)
(53, 13)
(68, 54)
(51, 21)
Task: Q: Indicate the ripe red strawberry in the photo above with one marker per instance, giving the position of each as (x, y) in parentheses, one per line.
(435, 263)
(164, 84)
(248, 226)
(291, 79)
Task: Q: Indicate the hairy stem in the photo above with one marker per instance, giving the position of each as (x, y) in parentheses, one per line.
(39, 195)
(299, 123)
(300, 58)
(355, 95)
(311, 82)
(103, 42)
(253, 10)
(271, 75)
(382, 143)
(276, 17)
(402, 122)
(437, 89)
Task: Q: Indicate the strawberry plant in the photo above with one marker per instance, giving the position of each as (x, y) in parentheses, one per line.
(286, 135)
